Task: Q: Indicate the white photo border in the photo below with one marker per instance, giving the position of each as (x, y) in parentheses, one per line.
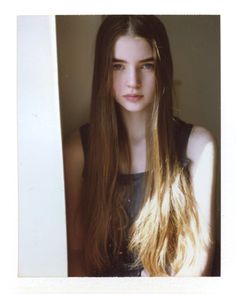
(8, 259)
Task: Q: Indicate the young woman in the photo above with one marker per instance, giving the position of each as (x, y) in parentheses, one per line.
(139, 181)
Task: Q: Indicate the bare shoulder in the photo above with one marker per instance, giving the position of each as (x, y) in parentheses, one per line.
(72, 142)
(73, 176)
(73, 150)
(201, 142)
(201, 151)
(73, 166)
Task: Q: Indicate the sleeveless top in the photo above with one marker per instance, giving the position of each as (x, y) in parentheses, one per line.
(121, 267)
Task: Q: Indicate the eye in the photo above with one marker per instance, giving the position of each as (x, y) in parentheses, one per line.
(118, 66)
(147, 66)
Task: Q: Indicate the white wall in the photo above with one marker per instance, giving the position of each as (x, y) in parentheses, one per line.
(42, 229)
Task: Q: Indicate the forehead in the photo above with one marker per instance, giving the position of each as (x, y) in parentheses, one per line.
(132, 48)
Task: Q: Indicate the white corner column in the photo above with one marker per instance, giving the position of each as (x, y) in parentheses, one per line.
(42, 226)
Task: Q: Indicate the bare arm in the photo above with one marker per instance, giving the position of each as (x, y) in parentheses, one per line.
(73, 168)
(201, 150)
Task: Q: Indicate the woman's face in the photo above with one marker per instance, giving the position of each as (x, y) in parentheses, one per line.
(133, 73)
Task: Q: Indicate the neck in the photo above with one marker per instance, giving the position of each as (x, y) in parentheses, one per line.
(135, 123)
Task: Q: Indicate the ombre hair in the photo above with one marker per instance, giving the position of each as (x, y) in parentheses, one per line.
(166, 234)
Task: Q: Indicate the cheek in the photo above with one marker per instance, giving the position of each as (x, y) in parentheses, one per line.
(153, 82)
(150, 83)
(117, 84)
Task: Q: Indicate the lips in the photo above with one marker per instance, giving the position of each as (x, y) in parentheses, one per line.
(133, 97)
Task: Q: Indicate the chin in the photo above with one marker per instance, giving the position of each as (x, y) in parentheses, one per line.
(133, 108)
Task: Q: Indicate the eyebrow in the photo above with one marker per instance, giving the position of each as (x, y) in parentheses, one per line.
(149, 59)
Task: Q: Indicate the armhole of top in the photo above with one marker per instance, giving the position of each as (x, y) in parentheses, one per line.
(183, 131)
(84, 135)
(187, 132)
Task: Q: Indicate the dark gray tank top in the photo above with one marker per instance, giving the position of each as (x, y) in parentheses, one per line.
(121, 268)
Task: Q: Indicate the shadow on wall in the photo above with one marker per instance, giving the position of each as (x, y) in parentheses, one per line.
(76, 45)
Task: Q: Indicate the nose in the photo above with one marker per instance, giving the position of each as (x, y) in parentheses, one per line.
(133, 79)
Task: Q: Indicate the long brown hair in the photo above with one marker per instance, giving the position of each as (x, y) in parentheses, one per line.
(166, 233)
